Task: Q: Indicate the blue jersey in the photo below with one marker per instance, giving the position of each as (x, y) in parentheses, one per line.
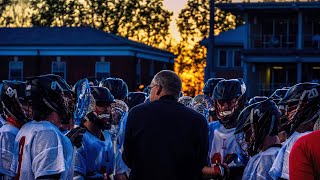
(280, 166)
(96, 156)
(259, 165)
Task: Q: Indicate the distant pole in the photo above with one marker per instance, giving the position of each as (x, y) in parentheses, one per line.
(209, 72)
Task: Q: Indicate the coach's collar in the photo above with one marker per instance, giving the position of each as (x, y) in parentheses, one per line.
(168, 97)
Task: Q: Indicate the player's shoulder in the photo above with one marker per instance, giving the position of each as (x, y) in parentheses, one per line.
(42, 127)
(309, 136)
(254, 158)
(89, 138)
(307, 139)
(294, 138)
(7, 128)
(8, 133)
(214, 125)
(268, 156)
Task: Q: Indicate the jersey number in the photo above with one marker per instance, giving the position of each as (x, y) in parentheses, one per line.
(310, 93)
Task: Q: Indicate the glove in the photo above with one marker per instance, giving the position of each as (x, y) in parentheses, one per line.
(217, 171)
(76, 135)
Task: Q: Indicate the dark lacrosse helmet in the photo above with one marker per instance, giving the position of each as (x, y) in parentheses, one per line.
(135, 98)
(301, 104)
(255, 123)
(279, 94)
(117, 87)
(210, 85)
(257, 99)
(13, 97)
(102, 98)
(229, 98)
(49, 93)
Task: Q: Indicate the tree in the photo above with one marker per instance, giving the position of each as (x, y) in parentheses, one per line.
(48, 12)
(193, 24)
(152, 26)
(142, 20)
(4, 4)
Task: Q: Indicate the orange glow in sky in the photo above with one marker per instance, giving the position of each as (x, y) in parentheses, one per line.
(175, 6)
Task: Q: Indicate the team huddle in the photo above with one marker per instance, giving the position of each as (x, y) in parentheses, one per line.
(51, 130)
(253, 139)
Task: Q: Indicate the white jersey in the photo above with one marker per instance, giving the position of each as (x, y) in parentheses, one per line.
(96, 157)
(259, 165)
(280, 166)
(8, 134)
(43, 150)
(223, 145)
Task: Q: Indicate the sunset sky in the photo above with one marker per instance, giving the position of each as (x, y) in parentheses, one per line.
(175, 6)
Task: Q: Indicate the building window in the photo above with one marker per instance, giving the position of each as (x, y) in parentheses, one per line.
(16, 70)
(102, 70)
(237, 58)
(222, 56)
(59, 68)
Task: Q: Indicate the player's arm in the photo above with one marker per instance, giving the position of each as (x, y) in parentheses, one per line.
(300, 162)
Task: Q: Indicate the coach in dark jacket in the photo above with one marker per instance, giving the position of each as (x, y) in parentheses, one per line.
(164, 139)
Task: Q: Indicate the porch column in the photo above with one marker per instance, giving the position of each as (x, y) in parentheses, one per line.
(299, 72)
(300, 31)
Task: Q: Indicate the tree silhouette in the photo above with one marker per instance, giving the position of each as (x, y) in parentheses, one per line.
(193, 24)
(4, 4)
(146, 21)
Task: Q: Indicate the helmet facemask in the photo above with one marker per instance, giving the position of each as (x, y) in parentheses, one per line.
(100, 117)
(69, 106)
(103, 115)
(299, 113)
(243, 139)
(247, 138)
(228, 110)
(292, 109)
